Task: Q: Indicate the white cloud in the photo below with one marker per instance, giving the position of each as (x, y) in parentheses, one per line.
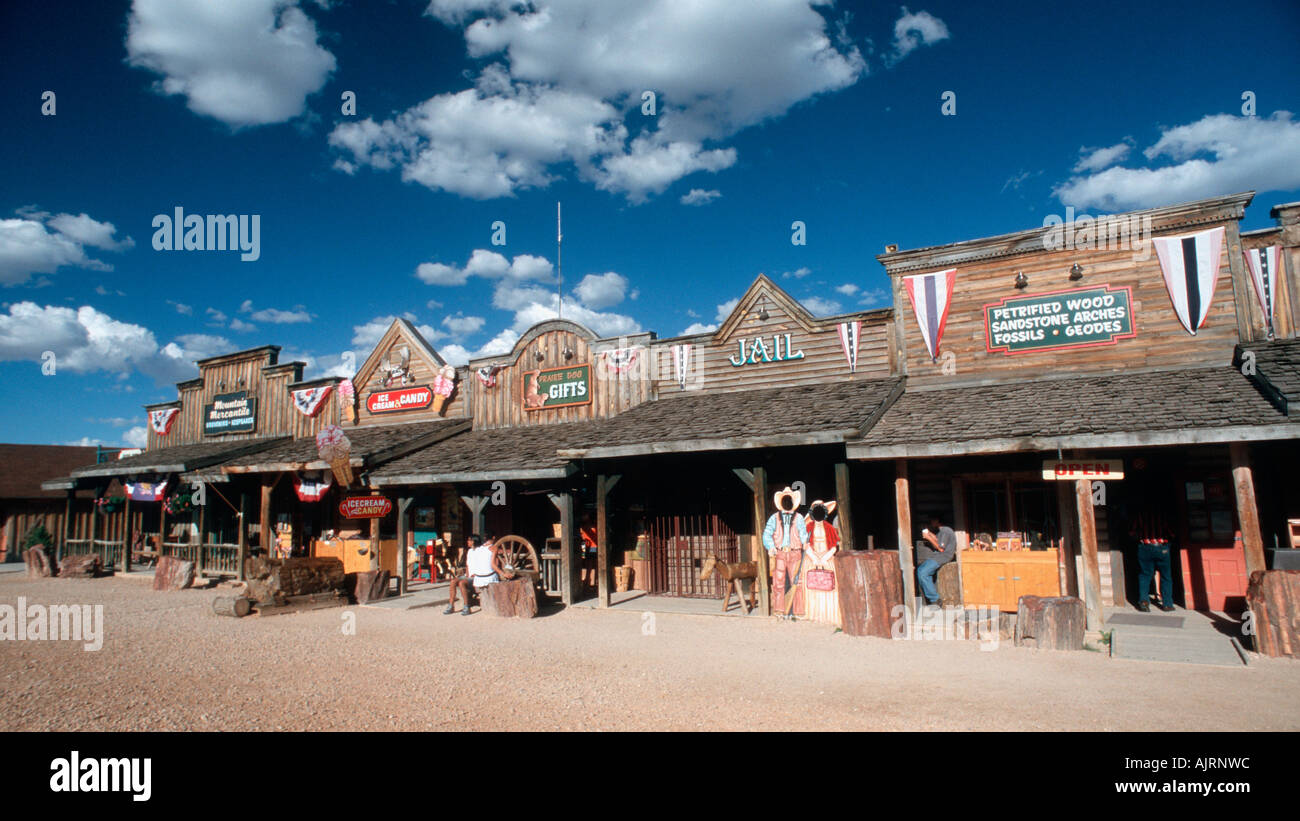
(245, 63)
(462, 325)
(874, 297)
(488, 265)
(848, 289)
(216, 316)
(820, 306)
(37, 243)
(911, 31)
(602, 290)
(798, 273)
(240, 326)
(366, 336)
(699, 328)
(136, 437)
(698, 196)
(181, 308)
(575, 72)
(278, 317)
(725, 309)
(1095, 159)
(1216, 155)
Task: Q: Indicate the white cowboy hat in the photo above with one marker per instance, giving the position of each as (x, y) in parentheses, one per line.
(795, 496)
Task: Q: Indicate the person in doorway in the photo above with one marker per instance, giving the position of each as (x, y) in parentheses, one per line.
(942, 542)
(587, 533)
(1151, 529)
(482, 567)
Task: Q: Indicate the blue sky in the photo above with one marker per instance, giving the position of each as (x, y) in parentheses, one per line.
(470, 112)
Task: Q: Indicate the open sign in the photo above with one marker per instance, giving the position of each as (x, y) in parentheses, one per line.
(1071, 469)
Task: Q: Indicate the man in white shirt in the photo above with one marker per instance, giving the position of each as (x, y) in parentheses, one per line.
(482, 567)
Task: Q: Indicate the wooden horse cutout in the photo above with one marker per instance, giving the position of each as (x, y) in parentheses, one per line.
(732, 574)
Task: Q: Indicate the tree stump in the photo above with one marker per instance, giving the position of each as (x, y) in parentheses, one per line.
(1273, 597)
(1055, 623)
(949, 585)
(237, 606)
(40, 564)
(271, 581)
(871, 588)
(516, 598)
(370, 585)
(86, 566)
(173, 574)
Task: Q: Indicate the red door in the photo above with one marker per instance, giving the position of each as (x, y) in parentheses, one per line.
(1213, 558)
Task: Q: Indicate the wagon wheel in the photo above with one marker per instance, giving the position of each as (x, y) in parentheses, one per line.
(518, 558)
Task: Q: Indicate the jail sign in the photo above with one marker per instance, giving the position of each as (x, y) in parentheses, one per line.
(1077, 318)
(557, 387)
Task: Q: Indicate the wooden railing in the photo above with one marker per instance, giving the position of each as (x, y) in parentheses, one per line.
(110, 551)
(218, 559)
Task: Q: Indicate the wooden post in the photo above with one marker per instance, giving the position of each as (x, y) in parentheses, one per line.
(843, 501)
(476, 505)
(162, 525)
(94, 521)
(764, 580)
(126, 536)
(242, 553)
(1088, 546)
(604, 484)
(1069, 536)
(203, 523)
(903, 506)
(1243, 481)
(570, 564)
(403, 533)
(62, 546)
(266, 533)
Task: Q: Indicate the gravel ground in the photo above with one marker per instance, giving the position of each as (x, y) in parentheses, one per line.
(169, 663)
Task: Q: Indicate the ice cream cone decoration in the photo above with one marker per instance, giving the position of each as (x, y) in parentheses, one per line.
(334, 447)
(443, 384)
(347, 395)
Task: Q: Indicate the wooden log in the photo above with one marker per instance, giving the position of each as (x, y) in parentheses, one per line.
(271, 581)
(903, 511)
(871, 591)
(1273, 597)
(40, 565)
(173, 574)
(949, 583)
(516, 598)
(370, 585)
(237, 606)
(86, 566)
(1055, 623)
(1088, 549)
(1243, 482)
(760, 555)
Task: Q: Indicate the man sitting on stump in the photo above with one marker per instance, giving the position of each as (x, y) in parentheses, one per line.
(942, 549)
(482, 567)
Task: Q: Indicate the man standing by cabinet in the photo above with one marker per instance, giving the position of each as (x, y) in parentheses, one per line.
(942, 548)
(1151, 529)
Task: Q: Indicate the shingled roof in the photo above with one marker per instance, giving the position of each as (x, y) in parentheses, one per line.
(24, 467)
(371, 445)
(1277, 371)
(488, 455)
(180, 458)
(1159, 407)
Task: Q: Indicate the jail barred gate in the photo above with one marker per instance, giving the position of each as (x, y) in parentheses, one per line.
(678, 546)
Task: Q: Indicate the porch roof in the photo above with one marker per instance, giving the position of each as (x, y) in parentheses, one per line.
(1277, 371)
(1170, 407)
(488, 455)
(179, 458)
(371, 445)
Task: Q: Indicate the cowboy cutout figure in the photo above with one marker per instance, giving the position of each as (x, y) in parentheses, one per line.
(784, 538)
(822, 599)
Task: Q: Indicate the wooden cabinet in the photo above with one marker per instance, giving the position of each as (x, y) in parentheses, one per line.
(355, 553)
(998, 578)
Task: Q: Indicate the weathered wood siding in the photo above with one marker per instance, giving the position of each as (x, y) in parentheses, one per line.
(269, 386)
(1285, 302)
(612, 392)
(1161, 339)
(711, 367)
(423, 370)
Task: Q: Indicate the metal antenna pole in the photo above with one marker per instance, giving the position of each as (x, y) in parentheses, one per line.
(559, 267)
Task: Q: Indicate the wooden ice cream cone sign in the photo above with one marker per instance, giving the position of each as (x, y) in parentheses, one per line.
(335, 448)
(443, 386)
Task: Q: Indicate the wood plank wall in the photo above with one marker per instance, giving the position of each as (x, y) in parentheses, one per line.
(823, 356)
(423, 371)
(274, 404)
(1285, 302)
(612, 392)
(1161, 340)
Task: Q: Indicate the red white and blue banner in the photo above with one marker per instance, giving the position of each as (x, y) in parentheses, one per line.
(850, 332)
(488, 375)
(620, 360)
(931, 294)
(681, 363)
(311, 489)
(1264, 264)
(161, 420)
(309, 401)
(1190, 264)
(147, 491)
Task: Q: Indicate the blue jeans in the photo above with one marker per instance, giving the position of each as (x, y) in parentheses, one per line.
(1153, 557)
(925, 575)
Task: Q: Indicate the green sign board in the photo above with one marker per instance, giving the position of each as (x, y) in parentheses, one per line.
(1078, 318)
(230, 413)
(557, 387)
